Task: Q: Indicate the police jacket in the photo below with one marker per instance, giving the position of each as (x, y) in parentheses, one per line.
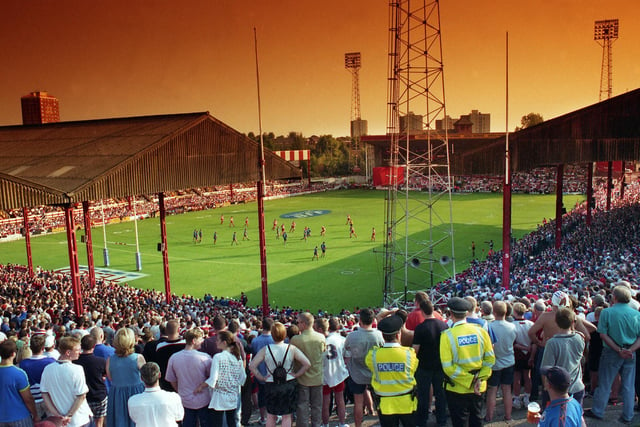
(467, 356)
(393, 367)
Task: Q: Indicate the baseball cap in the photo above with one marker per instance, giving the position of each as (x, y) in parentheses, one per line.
(560, 299)
(557, 376)
(50, 341)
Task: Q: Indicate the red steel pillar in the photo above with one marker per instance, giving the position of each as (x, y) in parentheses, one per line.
(263, 250)
(165, 252)
(231, 193)
(589, 192)
(89, 243)
(506, 232)
(609, 184)
(27, 239)
(73, 259)
(622, 183)
(559, 179)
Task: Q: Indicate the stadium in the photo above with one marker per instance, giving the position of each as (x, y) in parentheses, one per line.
(194, 232)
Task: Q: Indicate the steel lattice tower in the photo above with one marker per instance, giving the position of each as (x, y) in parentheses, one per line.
(605, 33)
(353, 62)
(414, 259)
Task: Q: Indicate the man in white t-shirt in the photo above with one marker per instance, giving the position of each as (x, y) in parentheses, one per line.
(334, 370)
(64, 388)
(155, 407)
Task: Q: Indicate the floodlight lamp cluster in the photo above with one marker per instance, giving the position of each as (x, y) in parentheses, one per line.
(352, 60)
(606, 29)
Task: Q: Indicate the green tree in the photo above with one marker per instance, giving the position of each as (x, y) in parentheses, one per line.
(529, 120)
(297, 141)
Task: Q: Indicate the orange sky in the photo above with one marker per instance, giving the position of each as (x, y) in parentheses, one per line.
(129, 57)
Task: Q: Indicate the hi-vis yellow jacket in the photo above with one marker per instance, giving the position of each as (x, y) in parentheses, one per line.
(393, 368)
(466, 347)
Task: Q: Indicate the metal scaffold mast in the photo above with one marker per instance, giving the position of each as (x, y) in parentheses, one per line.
(605, 32)
(353, 62)
(420, 184)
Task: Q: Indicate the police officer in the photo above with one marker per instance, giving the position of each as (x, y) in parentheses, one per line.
(467, 356)
(393, 367)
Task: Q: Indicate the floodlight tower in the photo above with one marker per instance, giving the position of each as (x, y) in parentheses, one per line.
(352, 62)
(419, 192)
(605, 33)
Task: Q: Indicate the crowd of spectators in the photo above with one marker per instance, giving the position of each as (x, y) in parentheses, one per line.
(46, 219)
(537, 181)
(590, 261)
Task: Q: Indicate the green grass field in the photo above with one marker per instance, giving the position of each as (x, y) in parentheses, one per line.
(350, 275)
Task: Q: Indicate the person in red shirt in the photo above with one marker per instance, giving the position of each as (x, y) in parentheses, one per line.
(417, 316)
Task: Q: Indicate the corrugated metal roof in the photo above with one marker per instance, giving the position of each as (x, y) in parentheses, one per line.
(89, 160)
(608, 130)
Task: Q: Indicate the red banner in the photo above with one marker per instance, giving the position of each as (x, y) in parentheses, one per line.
(603, 167)
(383, 176)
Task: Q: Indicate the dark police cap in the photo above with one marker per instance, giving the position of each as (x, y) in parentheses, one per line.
(458, 305)
(390, 325)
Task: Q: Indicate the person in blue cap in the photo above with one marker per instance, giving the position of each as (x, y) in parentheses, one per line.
(556, 381)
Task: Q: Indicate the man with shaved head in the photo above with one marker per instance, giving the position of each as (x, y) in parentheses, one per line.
(101, 350)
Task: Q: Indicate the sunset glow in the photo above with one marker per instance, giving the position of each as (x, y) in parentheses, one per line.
(132, 58)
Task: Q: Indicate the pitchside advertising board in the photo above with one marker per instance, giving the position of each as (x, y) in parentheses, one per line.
(305, 214)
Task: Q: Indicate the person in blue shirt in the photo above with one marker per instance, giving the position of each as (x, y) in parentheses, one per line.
(563, 410)
(17, 406)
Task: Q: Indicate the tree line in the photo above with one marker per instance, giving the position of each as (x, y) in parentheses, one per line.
(336, 156)
(329, 156)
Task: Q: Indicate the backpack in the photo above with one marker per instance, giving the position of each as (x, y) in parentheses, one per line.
(279, 374)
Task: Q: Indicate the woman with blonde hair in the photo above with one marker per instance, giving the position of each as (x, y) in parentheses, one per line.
(123, 370)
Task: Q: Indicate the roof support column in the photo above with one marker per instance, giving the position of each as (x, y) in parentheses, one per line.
(559, 209)
(89, 243)
(163, 247)
(506, 232)
(609, 183)
(73, 259)
(590, 202)
(231, 193)
(27, 239)
(622, 182)
(263, 250)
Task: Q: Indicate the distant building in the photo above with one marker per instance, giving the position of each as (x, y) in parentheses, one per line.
(446, 123)
(359, 127)
(411, 123)
(463, 126)
(481, 122)
(39, 107)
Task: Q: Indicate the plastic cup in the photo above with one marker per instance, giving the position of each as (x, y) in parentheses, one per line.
(533, 413)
